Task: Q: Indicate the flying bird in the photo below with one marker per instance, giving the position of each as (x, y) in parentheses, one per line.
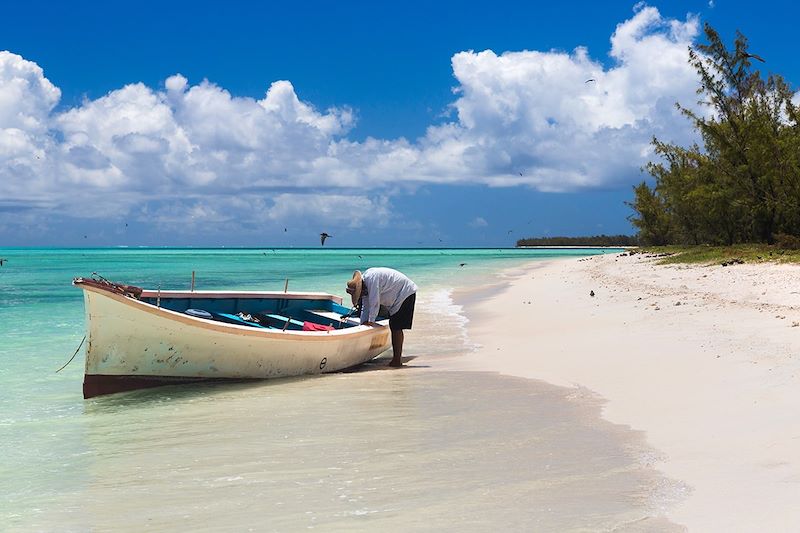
(754, 56)
(461, 264)
(590, 79)
(323, 236)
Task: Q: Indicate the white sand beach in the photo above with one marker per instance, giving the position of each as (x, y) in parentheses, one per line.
(704, 360)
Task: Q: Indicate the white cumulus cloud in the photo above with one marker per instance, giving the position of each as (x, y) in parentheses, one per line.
(561, 121)
(550, 120)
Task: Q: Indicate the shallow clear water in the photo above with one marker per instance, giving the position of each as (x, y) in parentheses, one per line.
(417, 448)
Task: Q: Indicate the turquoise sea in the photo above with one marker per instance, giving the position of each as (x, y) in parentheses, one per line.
(414, 449)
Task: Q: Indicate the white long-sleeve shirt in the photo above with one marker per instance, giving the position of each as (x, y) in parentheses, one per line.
(384, 286)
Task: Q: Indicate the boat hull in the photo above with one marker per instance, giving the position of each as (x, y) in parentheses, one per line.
(133, 344)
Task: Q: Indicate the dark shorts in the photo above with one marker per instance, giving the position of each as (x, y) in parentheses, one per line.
(404, 316)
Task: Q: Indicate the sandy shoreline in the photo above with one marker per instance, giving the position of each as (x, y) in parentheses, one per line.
(705, 360)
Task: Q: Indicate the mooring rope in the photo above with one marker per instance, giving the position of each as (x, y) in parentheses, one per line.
(73, 356)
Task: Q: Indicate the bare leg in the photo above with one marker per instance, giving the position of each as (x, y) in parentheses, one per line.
(397, 348)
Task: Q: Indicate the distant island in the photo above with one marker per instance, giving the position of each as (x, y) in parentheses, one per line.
(595, 240)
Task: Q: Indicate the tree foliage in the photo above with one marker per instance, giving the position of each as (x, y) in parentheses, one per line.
(594, 240)
(743, 184)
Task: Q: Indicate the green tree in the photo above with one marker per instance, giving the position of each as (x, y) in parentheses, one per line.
(744, 184)
(653, 221)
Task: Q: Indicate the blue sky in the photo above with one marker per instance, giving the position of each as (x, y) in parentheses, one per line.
(421, 123)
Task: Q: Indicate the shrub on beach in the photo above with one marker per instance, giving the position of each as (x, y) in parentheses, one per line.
(787, 242)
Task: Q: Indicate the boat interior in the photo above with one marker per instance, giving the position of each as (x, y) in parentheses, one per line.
(268, 313)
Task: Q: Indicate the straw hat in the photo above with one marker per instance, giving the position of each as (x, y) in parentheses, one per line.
(354, 287)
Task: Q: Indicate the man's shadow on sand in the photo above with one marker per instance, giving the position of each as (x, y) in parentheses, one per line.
(381, 363)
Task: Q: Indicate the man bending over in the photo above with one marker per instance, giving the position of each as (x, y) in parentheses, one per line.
(386, 287)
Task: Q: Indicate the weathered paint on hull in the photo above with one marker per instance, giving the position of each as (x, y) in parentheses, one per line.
(133, 344)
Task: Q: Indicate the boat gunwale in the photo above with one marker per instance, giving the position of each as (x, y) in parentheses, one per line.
(235, 329)
(149, 293)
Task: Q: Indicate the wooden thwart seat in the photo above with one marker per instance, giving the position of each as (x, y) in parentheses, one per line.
(279, 321)
(236, 319)
(330, 317)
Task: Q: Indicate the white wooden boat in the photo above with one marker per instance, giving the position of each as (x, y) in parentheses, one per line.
(144, 338)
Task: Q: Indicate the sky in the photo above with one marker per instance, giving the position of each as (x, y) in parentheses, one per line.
(383, 124)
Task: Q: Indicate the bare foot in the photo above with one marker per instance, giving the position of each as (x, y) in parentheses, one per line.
(396, 364)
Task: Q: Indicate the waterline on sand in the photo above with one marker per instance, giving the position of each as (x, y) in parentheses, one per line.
(387, 449)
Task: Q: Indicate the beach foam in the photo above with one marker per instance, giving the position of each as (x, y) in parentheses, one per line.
(440, 326)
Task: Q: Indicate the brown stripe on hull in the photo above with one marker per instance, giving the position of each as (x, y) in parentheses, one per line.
(100, 384)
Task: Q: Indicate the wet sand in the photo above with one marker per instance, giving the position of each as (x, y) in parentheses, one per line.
(399, 450)
(704, 360)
